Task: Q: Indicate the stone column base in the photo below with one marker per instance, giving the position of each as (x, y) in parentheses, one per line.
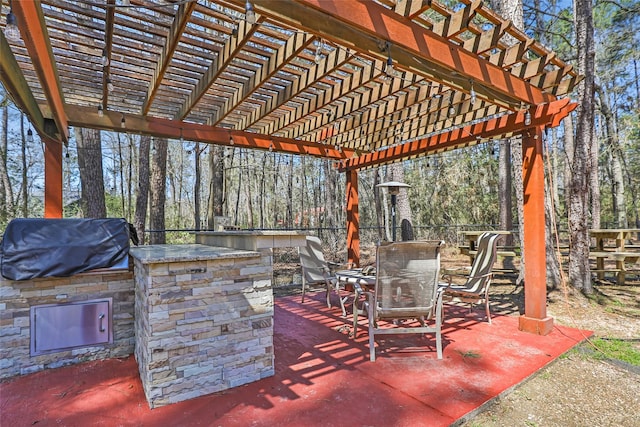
(536, 326)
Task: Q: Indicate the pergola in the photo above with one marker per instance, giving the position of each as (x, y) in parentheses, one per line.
(361, 82)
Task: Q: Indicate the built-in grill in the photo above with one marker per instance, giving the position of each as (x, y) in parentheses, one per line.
(35, 248)
(40, 247)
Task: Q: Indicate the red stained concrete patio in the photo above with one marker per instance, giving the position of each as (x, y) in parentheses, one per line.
(322, 378)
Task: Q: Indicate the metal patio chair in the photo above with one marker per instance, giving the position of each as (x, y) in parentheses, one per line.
(315, 269)
(406, 288)
(475, 290)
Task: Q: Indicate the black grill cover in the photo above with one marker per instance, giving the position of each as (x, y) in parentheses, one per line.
(35, 247)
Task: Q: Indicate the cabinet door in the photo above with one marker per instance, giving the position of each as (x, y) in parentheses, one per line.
(63, 326)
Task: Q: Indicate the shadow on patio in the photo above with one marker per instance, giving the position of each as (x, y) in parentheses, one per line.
(322, 377)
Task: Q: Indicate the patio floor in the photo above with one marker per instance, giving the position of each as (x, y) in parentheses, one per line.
(322, 378)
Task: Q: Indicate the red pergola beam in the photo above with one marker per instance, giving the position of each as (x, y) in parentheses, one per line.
(165, 128)
(542, 115)
(52, 178)
(36, 40)
(534, 319)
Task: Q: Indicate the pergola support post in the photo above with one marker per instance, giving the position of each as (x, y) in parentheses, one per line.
(52, 178)
(535, 319)
(353, 219)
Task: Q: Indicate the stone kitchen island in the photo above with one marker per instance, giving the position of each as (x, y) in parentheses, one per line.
(203, 319)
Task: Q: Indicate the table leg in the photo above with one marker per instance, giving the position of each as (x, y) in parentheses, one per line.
(621, 272)
(600, 267)
(600, 261)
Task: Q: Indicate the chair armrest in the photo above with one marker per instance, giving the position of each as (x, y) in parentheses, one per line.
(448, 284)
(449, 274)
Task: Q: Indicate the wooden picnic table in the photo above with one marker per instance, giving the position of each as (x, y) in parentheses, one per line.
(619, 251)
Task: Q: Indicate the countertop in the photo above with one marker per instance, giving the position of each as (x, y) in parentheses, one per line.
(151, 254)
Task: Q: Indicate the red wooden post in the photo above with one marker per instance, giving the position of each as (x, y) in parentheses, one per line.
(353, 219)
(535, 319)
(52, 178)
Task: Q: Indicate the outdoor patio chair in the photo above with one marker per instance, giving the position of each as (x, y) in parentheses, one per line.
(406, 288)
(475, 290)
(315, 269)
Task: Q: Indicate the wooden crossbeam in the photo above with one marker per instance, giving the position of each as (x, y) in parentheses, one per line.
(348, 84)
(427, 123)
(542, 115)
(457, 22)
(276, 62)
(108, 39)
(488, 39)
(16, 85)
(532, 68)
(334, 60)
(165, 128)
(173, 38)
(376, 93)
(36, 39)
(412, 8)
(230, 49)
(377, 117)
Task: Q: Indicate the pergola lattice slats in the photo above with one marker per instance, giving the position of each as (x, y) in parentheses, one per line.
(463, 136)
(251, 71)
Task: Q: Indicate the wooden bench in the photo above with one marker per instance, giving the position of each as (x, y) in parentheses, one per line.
(631, 257)
(621, 258)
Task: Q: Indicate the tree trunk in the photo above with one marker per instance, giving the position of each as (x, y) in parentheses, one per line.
(616, 155)
(504, 188)
(239, 189)
(277, 160)
(569, 142)
(121, 173)
(518, 182)
(289, 218)
(554, 172)
(578, 212)
(196, 187)
(158, 187)
(24, 185)
(142, 192)
(216, 187)
(91, 176)
(247, 188)
(554, 278)
(5, 183)
(130, 145)
(331, 212)
(262, 183)
(594, 180)
(512, 10)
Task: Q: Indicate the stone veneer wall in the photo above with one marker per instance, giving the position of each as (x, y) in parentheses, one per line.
(16, 297)
(203, 326)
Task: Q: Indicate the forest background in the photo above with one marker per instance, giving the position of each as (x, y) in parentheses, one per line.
(168, 188)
